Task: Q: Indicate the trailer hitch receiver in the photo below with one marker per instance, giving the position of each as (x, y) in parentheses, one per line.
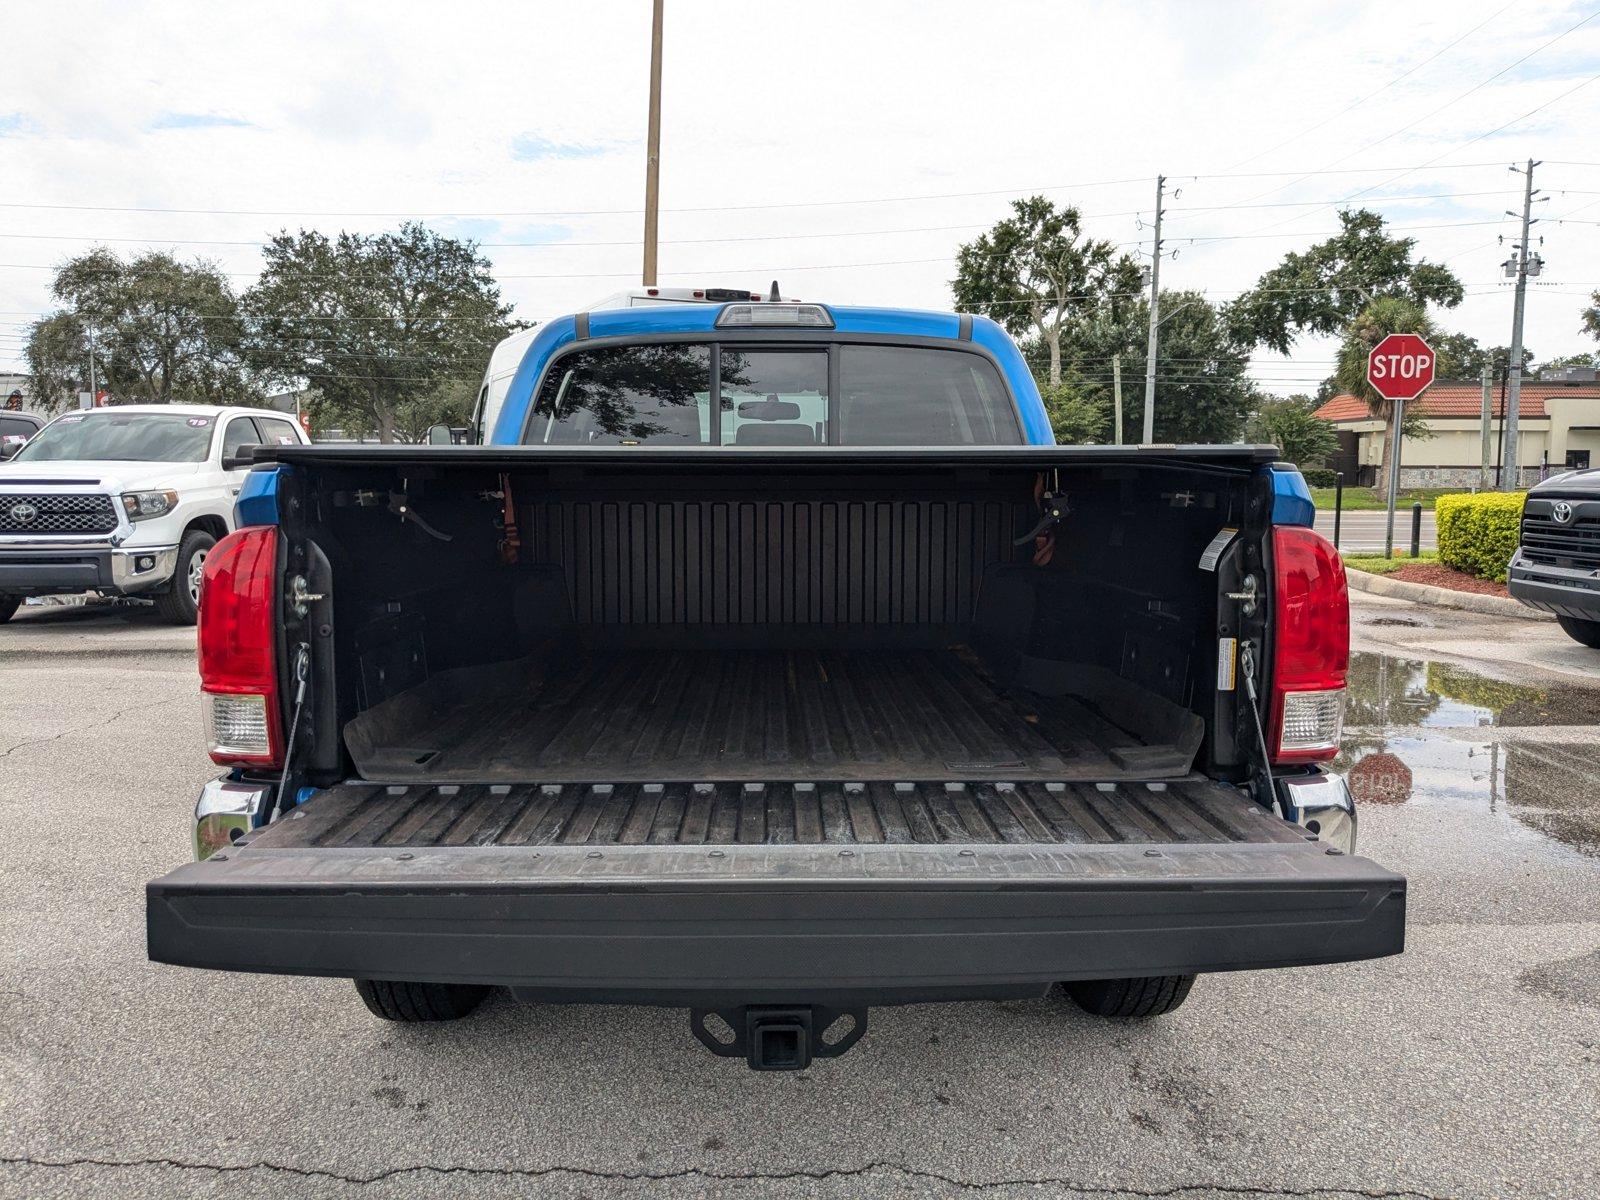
(775, 1037)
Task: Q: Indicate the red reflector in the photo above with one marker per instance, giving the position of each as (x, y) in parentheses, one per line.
(1311, 646)
(238, 653)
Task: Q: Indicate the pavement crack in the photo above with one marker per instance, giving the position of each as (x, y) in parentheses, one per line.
(89, 728)
(815, 1175)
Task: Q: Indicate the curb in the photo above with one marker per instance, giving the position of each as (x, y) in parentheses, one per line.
(1426, 593)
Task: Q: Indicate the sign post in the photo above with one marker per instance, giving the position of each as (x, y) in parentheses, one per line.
(1400, 368)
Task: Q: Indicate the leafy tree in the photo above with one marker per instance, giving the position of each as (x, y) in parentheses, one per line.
(1203, 389)
(1591, 317)
(376, 323)
(448, 402)
(1386, 315)
(1035, 273)
(1459, 356)
(58, 360)
(1585, 359)
(1079, 411)
(165, 331)
(1303, 439)
(1321, 290)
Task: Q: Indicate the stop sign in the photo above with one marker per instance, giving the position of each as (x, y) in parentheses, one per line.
(1400, 367)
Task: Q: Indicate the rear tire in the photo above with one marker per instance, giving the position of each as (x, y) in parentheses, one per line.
(395, 1000)
(180, 604)
(1130, 998)
(1579, 630)
(8, 607)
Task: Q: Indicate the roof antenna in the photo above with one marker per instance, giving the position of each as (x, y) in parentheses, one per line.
(774, 298)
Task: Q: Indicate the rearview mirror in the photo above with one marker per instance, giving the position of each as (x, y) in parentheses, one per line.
(440, 435)
(10, 446)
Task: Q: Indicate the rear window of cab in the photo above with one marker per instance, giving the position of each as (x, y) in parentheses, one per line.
(740, 394)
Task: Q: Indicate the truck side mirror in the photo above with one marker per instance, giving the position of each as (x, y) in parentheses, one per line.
(9, 447)
(440, 435)
(242, 459)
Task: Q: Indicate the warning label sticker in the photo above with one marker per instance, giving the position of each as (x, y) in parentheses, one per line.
(1213, 551)
(1227, 664)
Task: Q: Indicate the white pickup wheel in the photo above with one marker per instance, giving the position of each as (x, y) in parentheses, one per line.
(180, 603)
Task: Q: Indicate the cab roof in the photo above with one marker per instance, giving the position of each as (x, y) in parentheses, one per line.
(193, 410)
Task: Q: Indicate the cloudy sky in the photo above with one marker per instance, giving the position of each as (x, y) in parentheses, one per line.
(844, 148)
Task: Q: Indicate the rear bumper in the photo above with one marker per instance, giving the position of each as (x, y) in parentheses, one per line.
(760, 924)
(53, 570)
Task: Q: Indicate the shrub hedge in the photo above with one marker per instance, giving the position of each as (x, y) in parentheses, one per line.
(1478, 534)
(1318, 477)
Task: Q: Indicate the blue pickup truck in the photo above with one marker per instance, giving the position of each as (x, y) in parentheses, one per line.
(772, 662)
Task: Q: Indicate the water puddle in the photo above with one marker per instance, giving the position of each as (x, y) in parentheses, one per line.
(1399, 746)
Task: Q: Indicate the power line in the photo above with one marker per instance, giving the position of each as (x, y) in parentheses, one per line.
(558, 243)
(442, 214)
(1370, 95)
(1428, 116)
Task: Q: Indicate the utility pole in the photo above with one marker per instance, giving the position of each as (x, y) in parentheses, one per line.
(1155, 321)
(1116, 392)
(1486, 466)
(652, 162)
(1524, 259)
(94, 391)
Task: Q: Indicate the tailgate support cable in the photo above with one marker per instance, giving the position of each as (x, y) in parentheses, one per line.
(302, 672)
(1247, 656)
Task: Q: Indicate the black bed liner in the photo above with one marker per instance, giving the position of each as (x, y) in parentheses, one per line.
(1188, 812)
(768, 715)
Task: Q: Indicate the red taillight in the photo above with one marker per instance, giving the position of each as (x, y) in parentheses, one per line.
(238, 655)
(1311, 646)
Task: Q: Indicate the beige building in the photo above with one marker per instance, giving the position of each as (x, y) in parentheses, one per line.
(1558, 424)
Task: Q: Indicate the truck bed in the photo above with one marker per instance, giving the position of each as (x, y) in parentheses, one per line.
(1187, 812)
(650, 715)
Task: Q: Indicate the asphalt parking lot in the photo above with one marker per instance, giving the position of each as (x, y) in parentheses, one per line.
(1469, 1066)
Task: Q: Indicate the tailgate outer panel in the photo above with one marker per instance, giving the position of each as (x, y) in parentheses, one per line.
(671, 924)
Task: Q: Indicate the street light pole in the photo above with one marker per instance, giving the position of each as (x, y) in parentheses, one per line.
(652, 162)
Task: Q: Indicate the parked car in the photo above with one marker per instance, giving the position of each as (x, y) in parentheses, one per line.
(127, 501)
(15, 429)
(1556, 567)
(773, 663)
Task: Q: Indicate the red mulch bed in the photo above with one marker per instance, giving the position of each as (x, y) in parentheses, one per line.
(1439, 575)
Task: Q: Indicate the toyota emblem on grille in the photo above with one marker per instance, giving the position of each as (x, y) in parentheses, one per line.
(23, 514)
(1562, 512)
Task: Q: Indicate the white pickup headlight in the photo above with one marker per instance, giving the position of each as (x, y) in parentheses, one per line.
(141, 506)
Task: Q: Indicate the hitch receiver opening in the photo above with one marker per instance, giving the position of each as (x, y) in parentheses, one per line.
(776, 1037)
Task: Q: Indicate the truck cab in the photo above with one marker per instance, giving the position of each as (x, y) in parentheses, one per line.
(772, 662)
(127, 501)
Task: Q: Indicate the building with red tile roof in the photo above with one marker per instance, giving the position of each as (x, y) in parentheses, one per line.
(1558, 423)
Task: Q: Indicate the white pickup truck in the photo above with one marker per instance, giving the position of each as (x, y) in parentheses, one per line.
(126, 501)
